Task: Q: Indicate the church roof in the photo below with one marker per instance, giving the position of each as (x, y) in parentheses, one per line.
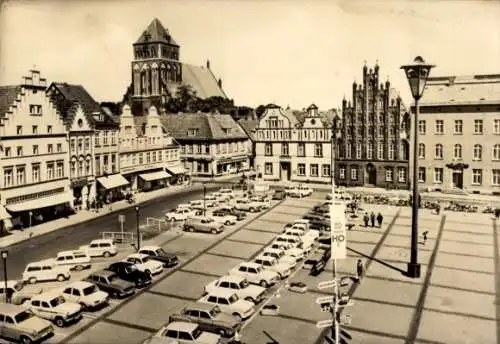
(8, 95)
(249, 126)
(202, 80)
(156, 32)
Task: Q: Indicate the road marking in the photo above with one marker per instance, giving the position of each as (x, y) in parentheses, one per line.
(89, 315)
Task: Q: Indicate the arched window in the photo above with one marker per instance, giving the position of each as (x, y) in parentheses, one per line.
(496, 152)
(80, 167)
(457, 151)
(73, 167)
(438, 151)
(478, 152)
(421, 150)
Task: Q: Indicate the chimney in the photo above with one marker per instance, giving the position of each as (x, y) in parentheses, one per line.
(219, 82)
(208, 64)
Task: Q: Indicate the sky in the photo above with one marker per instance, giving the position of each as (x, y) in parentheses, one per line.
(291, 53)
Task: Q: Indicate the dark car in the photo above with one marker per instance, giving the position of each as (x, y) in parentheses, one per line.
(128, 272)
(317, 222)
(321, 209)
(228, 210)
(279, 194)
(157, 253)
(109, 282)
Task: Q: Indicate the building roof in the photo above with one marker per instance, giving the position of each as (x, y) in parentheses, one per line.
(156, 32)
(202, 80)
(209, 126)
(249, 126)
(8, 95)
(462, 90)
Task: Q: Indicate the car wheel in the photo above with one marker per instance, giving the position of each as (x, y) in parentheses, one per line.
(61, 278)
(190, 229)
(84, 306)
(79, 267)
(252, 210)
(148, 272)
(238, 316)
(227, 223)
(25, 340)
(32, 280)
(222, 332)
(172, 219)
(249, 299)
(106, 254)
(59, 322)
(115, 295)
(263, 284)
(214, 231)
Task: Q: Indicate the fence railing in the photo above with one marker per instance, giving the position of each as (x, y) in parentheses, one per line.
(159, 225)
(121, 237)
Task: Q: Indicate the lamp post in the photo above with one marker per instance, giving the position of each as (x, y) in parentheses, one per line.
(30, 214)
(417, 74)
(204, 199)
(138, 233)
(5, 254)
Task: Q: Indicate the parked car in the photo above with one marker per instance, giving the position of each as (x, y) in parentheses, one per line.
(279, 194)
(318, 222)
(228, 192)
(100, 248)
(203, 224)
(75, 260)
(298, 191)
(255, 274)
(17, 292)
(229, 210)
(211, 201)
(245, 204)
(289, 239)
(321, 209)
(110, 282)
(313, 260)
(55, 308)
(225, 219)
(45, 270)
(86, 294)
(180, 214)
(209, 317)
(229, 303)
(283, 270)
(20, 325)
(280, 256)
(144, 263)
(197, 204)
(180, 332)
(240, 286)
(263, 202)
(221, 198)
(157, 253)
(298, 287)
(128, 271)
(296, 253)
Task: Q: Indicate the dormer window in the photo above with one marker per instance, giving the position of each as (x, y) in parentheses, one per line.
(192, 132)
(227, 131)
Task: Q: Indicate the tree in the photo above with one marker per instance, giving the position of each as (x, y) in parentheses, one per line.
(260, 110)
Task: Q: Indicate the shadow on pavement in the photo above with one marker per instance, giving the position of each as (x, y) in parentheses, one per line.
(378, 261)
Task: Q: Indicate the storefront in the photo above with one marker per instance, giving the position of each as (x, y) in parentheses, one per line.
(154, 180)
(178, 172)
(111, 189)
(82, 193)
(232, 165)
(5, 221)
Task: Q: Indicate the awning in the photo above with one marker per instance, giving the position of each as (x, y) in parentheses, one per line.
(39, 203)
(4, 214)
(113, 181)
(177, 169)
(155, 175)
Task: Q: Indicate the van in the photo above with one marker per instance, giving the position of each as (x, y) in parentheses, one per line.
(55, 308)
(100, 248)
(20, 325)
(45, 270)
(75, 260)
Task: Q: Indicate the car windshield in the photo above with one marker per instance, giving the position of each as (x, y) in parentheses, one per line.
(130, 269)
(57, 301)
(144, 259)
(89, 290)
(233, 298)
(18, 286)
(196, 333)
(215, 311)
(161, 252)
(112, 278)
(23, 316)
(244, 284)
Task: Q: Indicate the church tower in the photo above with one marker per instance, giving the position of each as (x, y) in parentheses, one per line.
(156, 66)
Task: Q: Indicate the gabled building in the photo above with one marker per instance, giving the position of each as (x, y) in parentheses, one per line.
(289, 148)
(373, 148)
(249, 125)
(34, 174)
(211, 144)
(93, 138)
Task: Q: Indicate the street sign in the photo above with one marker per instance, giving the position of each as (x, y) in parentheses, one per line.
(346, 304)
(338, 231)
(326, 284)
(345, 319)
(121, 218)
(324, 323)
(324, 299)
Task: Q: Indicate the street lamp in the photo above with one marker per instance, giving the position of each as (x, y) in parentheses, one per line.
(417, 74)
(204, 199)
(5, 254)
(137, 208)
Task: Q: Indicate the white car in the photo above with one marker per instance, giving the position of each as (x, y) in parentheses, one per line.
(86, 294)
(180, 332)
(45, 270)
(229, 303)
(221, 198)
(288, 239)
(301, 234)
(56, 308)
(255, 274)
(179, 214)
(240, 286)
(296, 253)
(280, 256)
(100, 248)
(225, 219)
(144, 263)
(75, 260)
(285, 246)
(211, 201)
(298, 191)
(245, 204)
(227, 192)
(282, 269)
(263, 202)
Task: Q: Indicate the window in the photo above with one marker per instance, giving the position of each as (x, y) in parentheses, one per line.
(495, 177)
(60, 169)
(457, 151)
(192, 132)
(478, 126)
(114, 168)
(318, 150)
(34, 129)
(380, 151)
(478, 152)
(439, 126)
(19, 151)
(301, 149)
(326, 170)
(421, 150)
(73, 145)
(389, 174)
(49, 129)
(354, 173)
(50, 148)
(438, 175)
(87, 166)
(35, 173)
(8, 177)
(421, 127)
(496, 126)
(59, 147)
(35, 149)
(314, 170)
(104, 138)
(35, 110)
(272, 122)
(459, 127)
(301, 169)
(402, 174)
(80, 167)
(421, 174)
(342, 172)
(80, 145)
(477, 176)
(8, 151)
(268, 168)
(73, 168)
(268, 149)
(20, 175)
(96, 141)
(19, 130)
(496, 152)
(358, 150)
(348, 150)
(50, 170)
(284, 149)
(438, 151)
(87, 143)
(369, 151)
(392, 150)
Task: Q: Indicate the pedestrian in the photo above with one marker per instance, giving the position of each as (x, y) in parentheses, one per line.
(438, 208)
(372, 219)
(424, 234)
(359, 270)
(380, 218)
(497, 213)
(366, 219)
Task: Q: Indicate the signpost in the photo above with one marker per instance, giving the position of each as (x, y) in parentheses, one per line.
(325, 299)
(338, 230)
(324, 323)
(121, 219)
(326, 284)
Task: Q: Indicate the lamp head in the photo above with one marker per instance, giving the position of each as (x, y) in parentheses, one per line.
(5, 254)
(417, 74)
(137, 208)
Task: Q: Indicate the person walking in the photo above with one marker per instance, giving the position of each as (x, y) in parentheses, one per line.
(372, 219)
(380, 218)
(360, 269)
(366, 219)
(438, 208)
(497, 213)
(424, 234)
